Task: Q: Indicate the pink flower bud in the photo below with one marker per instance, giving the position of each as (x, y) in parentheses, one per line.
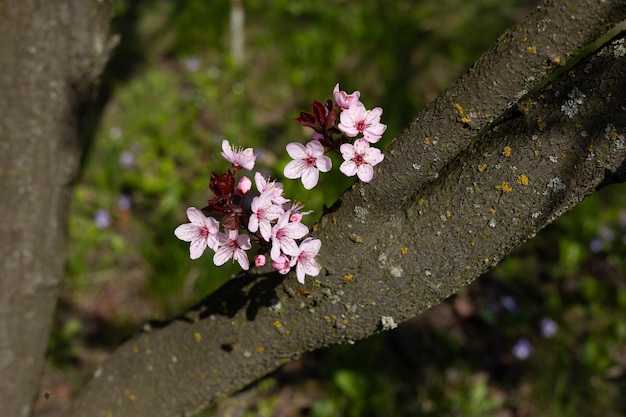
(343, 99)
(260, 260)
(295, 217)
(244, 185)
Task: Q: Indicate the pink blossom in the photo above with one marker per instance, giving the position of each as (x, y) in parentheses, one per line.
(260, 260)
(282, 264)
(263, 212)
(357, 119)
(239, 157)
(284, 234)
(276, 188)
(295, 215)
(359, 159)
(305, 258)
(201, 232)
(232, 246)
(344, 99)
(307, 162)
(244, 185)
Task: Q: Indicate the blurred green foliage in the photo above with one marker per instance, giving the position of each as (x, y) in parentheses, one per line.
(175, 93)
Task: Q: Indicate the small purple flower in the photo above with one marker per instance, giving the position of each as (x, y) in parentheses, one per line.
(596, 245)
(127, 159)
(192, 64)
(124, 203)
(509, 303)
(522, 349)
(102, 218)
(548, 327)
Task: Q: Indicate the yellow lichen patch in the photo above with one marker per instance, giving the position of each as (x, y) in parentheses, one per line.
(556, 60)
(524, 39)
(148, 352)
(405, 197)
(482, 167)
(477, 214)
(522, 180)
(357, 239)
(420, 201)
(541, 124)
(531, 49)
(334, 220)
(197, 336)
(468, 267)
(315, 227)
(277, 324)
(348, 277)
(404, 250)
(458, 108)
(465, 119)
(506, 151)
(526, 105)
(287, 332)
(563, 156)
(129, 395)
(260, 349)
(613, 135)
(135, 349)
(392, 152)
(448, 213)
(486, 261)
(303, 293)
(426, 141)
(536, 152)
(505, 186)
(590, 148)
(492, 210)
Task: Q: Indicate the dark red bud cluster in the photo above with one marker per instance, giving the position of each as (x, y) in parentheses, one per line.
(323, 120)
(228, 200)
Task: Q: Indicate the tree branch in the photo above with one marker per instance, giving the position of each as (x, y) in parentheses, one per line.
(386, 262)
(519, 61)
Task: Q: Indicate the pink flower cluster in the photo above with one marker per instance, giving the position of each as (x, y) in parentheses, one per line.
(354, 120)
(274, 222)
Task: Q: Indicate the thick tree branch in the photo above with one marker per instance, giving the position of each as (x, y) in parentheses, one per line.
(520, 60)
(52, 55)
(387, 262)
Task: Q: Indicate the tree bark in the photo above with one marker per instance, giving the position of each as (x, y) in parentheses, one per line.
(443, 210)
(51, 54)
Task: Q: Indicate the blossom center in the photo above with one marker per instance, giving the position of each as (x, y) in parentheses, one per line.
(360, 125)
(358, 159)
(310, 161)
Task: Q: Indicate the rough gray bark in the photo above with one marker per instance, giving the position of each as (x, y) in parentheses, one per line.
(51, 55)
(442, 211)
